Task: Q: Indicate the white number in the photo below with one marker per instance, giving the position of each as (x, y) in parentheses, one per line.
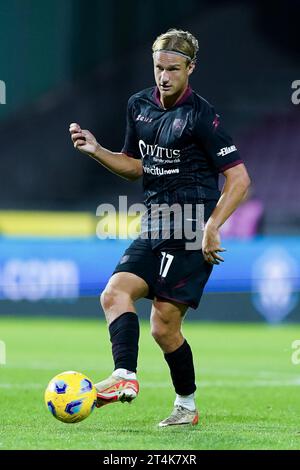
(164, 271)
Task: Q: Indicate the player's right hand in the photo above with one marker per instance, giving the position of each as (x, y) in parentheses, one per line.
(83, 139)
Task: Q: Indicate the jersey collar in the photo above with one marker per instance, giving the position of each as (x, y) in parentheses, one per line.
(184, 97)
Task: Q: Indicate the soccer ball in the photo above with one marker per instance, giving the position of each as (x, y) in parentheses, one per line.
(70, 397)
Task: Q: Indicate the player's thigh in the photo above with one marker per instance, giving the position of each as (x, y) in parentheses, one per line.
(120, 293)
(166, 317)
(128, 284)
(140, 260)
(183, 276)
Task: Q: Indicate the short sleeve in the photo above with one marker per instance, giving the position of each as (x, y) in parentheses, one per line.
(215, 141)
(130, 146)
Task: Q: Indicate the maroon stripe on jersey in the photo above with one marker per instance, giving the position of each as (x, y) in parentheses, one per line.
(184, 97)
(156, 96)
(230, 165)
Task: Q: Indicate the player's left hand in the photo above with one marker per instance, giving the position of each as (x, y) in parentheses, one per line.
(211, 245)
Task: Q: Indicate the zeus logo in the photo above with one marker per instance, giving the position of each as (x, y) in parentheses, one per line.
(2, 92)
(156, 151)
(226, 150)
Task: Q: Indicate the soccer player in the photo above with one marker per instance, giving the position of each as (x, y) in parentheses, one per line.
(176, 143)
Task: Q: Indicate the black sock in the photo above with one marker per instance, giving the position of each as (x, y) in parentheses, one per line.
(182, 369)
(124, 336)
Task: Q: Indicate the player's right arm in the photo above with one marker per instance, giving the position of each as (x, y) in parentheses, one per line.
(118, 163)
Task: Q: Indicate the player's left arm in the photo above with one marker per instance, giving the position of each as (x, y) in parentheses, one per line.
(224, 157)
(237, 183)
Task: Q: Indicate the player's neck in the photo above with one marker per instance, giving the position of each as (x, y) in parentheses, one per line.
(170, 101)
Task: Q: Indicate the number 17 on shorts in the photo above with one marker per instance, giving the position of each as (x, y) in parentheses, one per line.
(165, 263)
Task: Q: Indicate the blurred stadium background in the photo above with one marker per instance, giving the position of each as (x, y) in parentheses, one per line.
(79, 61)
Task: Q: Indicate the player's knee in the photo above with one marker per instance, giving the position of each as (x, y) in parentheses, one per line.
(168, 340)
(160, 333)
(113, 298)
(108, 298)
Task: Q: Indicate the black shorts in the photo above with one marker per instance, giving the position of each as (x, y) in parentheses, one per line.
(176, 275)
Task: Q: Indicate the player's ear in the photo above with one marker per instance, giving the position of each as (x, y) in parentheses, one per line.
(191, 67)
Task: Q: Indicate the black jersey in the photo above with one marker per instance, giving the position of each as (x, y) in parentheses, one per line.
(183, 148)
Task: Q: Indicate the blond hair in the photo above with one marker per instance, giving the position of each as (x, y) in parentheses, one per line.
(177, 40)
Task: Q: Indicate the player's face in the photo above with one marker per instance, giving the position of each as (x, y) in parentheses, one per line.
(171, 73)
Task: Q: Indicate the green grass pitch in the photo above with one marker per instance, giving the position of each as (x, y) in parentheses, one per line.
(248, 388)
